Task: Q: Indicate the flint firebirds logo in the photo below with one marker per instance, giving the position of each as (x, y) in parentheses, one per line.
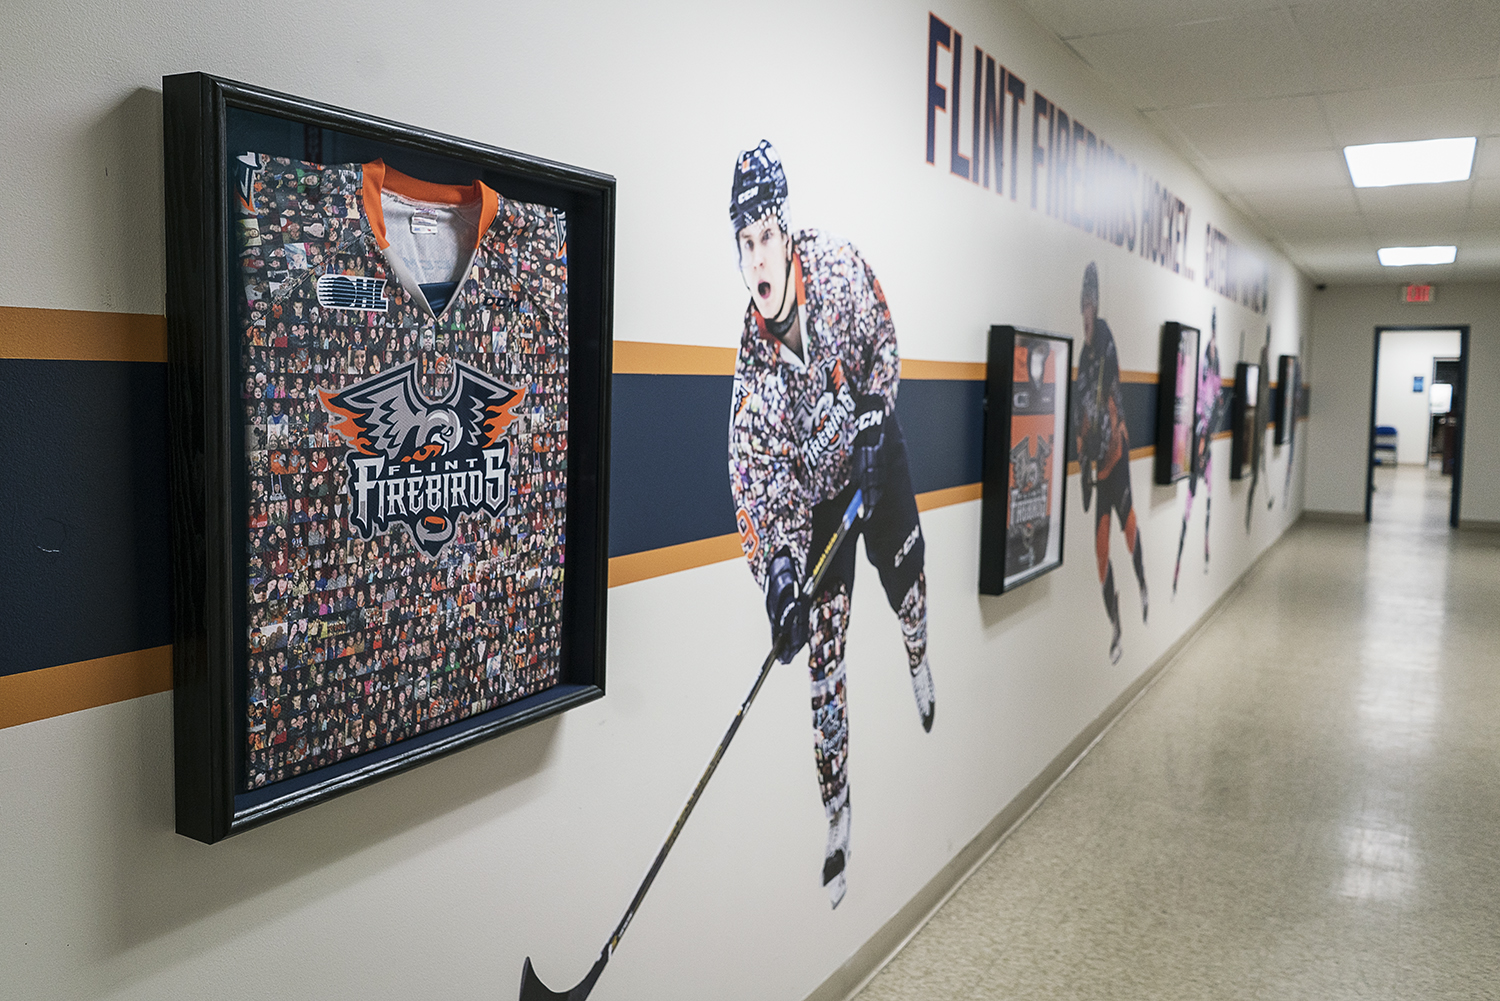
(825, 425)
(422, 464)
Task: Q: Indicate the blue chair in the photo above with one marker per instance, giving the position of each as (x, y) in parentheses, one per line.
(1385, 443)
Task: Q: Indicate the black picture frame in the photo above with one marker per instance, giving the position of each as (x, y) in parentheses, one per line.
(1244, 419)
(1177, 401)
(205, 117)
(1010, 553)
(1288, 389)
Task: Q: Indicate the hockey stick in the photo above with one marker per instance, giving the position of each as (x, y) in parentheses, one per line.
(532, 988)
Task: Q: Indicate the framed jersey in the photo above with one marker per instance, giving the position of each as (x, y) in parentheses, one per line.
(1176, 402)
(1027, 385)
(389, 379)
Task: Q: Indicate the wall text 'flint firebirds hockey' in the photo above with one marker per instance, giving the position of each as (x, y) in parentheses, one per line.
(1075, 176)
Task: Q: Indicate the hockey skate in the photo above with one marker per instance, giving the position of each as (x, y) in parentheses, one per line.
(1115, 649)
(921, 689)
(836, 855)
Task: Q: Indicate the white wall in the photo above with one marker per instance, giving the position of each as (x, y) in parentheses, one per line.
(438, 882)
(1403, 355)
(1344, 322)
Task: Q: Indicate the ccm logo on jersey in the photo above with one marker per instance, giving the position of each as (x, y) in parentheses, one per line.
(352, 292)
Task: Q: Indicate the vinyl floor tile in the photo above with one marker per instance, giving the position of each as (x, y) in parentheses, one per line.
(1305, 805)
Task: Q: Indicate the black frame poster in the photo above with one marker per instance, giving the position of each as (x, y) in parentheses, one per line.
(389, 373)
(1176, 402)
(1245, 419)
(1288, 389)
(1028, 386)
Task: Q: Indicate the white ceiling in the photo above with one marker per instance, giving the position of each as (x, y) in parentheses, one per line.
(1263, 96)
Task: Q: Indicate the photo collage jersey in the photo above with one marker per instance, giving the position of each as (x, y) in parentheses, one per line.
(791, 431)
(403, 368)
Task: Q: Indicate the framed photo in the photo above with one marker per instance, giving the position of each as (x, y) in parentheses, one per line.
(1028, 381)
(1289, 388)
(389, 386)
(1176, 402)
(1246, 419)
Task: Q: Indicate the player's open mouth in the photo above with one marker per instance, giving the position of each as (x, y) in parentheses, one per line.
(764, 288)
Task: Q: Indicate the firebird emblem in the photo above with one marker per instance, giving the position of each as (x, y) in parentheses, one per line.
(423, 464)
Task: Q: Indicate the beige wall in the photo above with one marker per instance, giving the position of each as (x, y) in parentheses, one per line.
(1343, 324)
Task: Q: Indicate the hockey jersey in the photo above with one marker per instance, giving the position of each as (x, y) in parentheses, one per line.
(403, 368)
(791, 429)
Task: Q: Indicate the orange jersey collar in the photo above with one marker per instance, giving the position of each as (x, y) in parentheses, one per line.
(378, 177)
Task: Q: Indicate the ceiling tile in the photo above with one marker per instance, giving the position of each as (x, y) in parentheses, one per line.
(1484, 203)
(1256, 55)
(1281, 125)
(1422, 111)
(1487, 157)
(1361, 44)
(1416, 214)
(1275, 171)
(1074, 18)
(1297, 227)
(1303, 201)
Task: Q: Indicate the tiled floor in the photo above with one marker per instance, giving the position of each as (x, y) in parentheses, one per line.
(1306, 805)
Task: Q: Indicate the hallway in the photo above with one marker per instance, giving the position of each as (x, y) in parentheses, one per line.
(1305, 805)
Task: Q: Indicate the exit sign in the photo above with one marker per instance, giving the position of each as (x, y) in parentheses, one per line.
(1419, 293)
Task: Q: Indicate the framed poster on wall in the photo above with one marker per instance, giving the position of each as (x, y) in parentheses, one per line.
(1245, 419)
(1176, 402)
(1288, 389)
(389, 384)
(1028, 381)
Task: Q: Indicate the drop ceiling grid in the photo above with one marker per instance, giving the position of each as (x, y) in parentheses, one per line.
(1262, 98)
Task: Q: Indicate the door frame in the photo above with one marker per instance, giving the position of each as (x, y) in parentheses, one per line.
(1460, 398)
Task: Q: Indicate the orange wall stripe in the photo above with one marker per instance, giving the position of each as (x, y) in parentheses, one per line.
(67, 688)
(81, 335)
(650, 358)
(671, 559)
(949, 495)
(689, 555)
(917, 368)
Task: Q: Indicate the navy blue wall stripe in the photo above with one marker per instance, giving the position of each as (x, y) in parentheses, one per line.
(85, 557)
(87, 476)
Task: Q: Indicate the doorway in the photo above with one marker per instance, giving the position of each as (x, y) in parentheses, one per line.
(1417, 395)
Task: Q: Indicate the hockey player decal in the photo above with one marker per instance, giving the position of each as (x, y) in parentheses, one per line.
(422, 464)
(812, 420)
(1103, 444)
(1210, 415)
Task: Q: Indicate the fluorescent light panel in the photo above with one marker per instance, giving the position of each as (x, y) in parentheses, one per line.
(1396, 257)
(1430, 161)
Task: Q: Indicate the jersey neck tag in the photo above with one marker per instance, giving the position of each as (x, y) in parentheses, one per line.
(423, 224)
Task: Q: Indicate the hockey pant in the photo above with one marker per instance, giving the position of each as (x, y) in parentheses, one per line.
(1113, 494)
(1203, 466)
(894, 544)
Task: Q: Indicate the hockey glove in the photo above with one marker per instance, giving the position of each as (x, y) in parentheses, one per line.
(786, 605)
(869, 436)
(1086, 481)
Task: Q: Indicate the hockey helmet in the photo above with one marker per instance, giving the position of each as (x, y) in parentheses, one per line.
(759, 187)
(1090, 294)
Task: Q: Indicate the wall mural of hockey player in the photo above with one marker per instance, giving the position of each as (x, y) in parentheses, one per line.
(1259, 454)
(1103, 444)
(812, 420)
(1211, 410)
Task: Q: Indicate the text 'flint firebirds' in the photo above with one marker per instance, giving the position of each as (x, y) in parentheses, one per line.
(422, 464)
(1075, 175)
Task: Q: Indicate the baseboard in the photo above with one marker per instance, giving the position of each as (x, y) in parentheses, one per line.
(860, 968)
(1478, 525)
(1334, 517)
